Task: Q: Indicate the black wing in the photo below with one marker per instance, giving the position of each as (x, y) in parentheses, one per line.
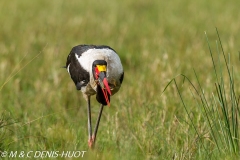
(79, 75)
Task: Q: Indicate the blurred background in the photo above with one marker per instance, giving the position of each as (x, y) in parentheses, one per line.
(156, 41)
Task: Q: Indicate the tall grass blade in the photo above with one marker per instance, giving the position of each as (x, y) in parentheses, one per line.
(185, 107)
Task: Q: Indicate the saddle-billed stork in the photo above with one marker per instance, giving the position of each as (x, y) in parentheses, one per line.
(95, 69)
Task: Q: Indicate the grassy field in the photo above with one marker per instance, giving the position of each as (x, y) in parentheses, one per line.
(40, 109)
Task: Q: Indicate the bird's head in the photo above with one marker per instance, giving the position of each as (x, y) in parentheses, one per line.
(99, 71)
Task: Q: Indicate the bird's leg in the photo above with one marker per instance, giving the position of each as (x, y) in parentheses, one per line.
(97, 124)
(90, 140)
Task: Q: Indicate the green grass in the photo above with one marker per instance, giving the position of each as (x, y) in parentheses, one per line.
(40, 109)
(220, 108)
